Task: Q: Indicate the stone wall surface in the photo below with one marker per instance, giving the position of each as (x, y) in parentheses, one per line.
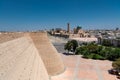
(4, 37)
(20, 60)
(51, 58)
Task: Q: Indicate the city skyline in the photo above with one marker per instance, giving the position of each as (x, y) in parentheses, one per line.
(23, 15)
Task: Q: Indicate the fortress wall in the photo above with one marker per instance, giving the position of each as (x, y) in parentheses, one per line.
(4, 37)
(19, 60)
(51, 58)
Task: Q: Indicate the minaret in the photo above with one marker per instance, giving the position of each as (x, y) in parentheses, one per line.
(68, 27)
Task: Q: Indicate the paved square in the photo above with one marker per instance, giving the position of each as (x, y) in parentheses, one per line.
(78, 68)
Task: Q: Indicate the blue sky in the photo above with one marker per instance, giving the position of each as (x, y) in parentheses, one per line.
(46, 14)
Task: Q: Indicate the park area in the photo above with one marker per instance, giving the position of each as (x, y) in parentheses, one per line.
(79, 68)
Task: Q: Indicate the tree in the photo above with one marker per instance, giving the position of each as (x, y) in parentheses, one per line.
(92, 48)
(68, 46)
(114, 54)
(71, 45)
(106, 43)
(75, 44)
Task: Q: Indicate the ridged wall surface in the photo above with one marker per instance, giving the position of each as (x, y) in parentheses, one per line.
(20, 60)
(48, 53)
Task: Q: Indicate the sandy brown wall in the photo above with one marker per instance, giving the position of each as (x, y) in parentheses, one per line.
(48, 53)
(20, 60)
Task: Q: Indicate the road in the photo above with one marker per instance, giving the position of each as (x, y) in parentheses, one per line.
(59, 47)
(58, 42)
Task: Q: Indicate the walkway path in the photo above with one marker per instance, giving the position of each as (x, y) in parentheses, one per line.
(78, 68)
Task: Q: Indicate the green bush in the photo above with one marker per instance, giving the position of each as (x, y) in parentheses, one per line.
(93, 56)
(106, 43)
(115, 54)
(116, 64)
(106, 51)
(96, 56)
(98, 52)
(82, 50)
(90, 56)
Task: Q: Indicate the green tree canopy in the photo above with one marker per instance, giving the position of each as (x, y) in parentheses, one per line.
(71, 45)
(75, 44)
(106, 43)
(68, 46)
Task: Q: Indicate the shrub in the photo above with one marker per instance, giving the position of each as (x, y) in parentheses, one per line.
(96, 56)
(78, 51)
(82, 50)
(93, 56)
(90, 56)
(92, 48)
(116, 64)
(106, 43)
(98, 52)
(115, 54)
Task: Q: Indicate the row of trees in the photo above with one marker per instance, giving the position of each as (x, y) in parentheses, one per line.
(93, 51)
